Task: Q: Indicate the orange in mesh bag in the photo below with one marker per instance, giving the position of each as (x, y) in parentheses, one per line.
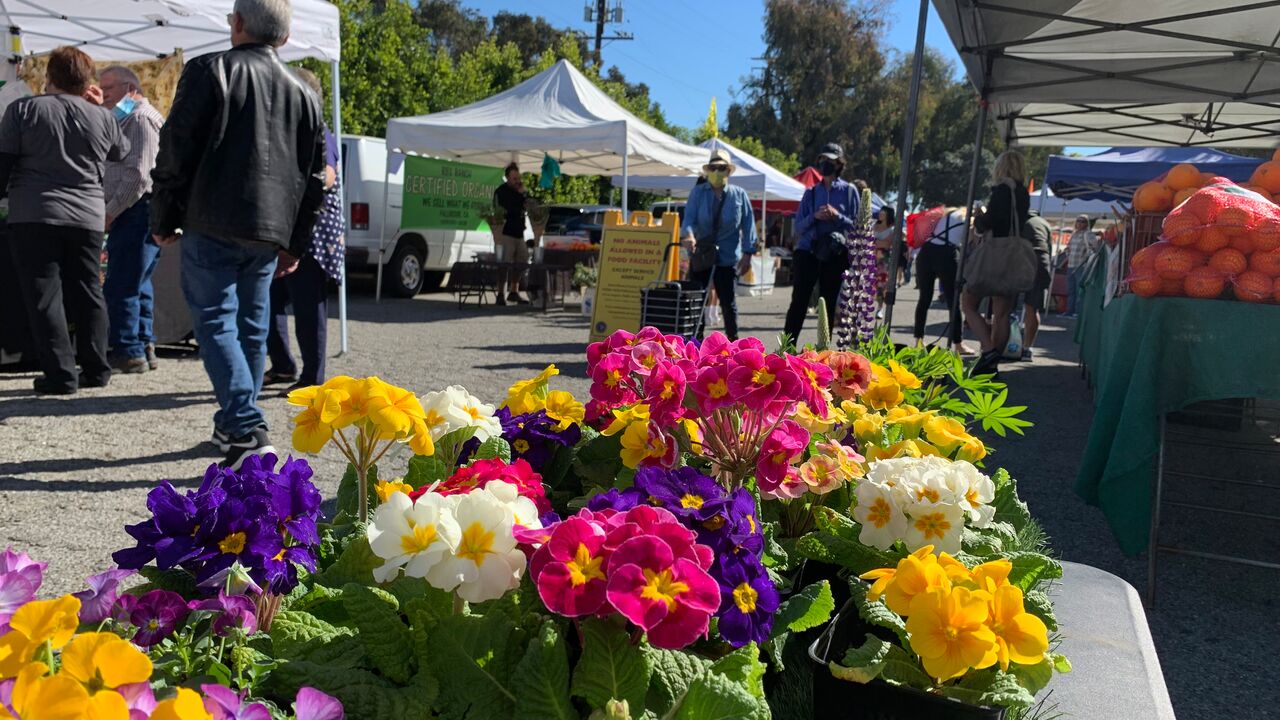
(1205, 282)
(1253, 286)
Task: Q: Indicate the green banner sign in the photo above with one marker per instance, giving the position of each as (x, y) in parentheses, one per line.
(439, 194)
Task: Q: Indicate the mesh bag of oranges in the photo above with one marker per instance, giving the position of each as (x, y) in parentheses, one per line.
(1220, 240)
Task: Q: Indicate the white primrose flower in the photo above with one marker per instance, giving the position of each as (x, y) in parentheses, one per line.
(523, 510)
(446, 410)
(879, 514)
(940, 524)
(974, 492)
(485, 563)
(413, 535)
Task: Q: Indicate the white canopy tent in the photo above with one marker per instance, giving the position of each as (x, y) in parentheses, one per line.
(128, 30)
(558, 112)
(1106, 73)
(1139, 72)
(754, 175)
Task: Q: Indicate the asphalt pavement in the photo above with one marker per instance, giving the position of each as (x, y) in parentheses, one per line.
(75, 470)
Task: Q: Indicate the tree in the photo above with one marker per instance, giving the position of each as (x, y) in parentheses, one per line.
(533, 36)
(455, 29)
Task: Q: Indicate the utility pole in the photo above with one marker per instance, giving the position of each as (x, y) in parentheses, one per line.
(600, 13)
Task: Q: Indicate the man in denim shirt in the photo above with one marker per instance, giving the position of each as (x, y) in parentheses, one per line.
(829, 207)
(733, 235)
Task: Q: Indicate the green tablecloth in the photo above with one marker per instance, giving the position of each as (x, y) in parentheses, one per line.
(1151, 356)
(1089, 326)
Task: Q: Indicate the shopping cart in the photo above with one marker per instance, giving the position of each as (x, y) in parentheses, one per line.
(674, 307)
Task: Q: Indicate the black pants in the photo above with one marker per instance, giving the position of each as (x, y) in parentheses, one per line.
(808, 272)
(58, 269)
(936, 262)
(725, 280)
(307, 288)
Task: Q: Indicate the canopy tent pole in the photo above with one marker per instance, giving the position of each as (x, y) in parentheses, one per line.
(908, 137)
(762, 234)
(980, 133)
(342, 204)
(626, 216)
(382, 231)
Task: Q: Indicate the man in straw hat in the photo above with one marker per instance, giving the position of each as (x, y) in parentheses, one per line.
(719, 223)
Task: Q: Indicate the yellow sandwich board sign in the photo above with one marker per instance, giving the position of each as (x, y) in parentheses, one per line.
(632, 255)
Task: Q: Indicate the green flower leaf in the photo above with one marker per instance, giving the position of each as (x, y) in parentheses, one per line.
(1060, 662)
(173, 580)
(494, 447)
(292, 630)
(877, 613)
(1037, 603)
(845, 552)
(1033, 677)
(673, 671)
(902, 668)
(989, 688)
(715, 697)
(474, 658)
(1030, 568)
(541, 679)
(863, 663)
(744, 668)
(424, 470)
(354, 565)
(599, 460)
(386, 641)
(1008, 507)
(611, 667)
(363, 694)
(806, 609)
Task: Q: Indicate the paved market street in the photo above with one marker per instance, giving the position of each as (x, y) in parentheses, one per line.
(75, 470)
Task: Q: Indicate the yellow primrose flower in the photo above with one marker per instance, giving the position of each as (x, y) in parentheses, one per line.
(868, 425)
(903, 376)
(916, 573)
(945, 433)
(526, 396)
(387, 488)
(310, 433)
(421, 442)
(1021, 637)
(694, 432)
(392, 410)
(104, 661)
(948, 630)
(186, 706)
(912, 423)
(852, 410)
(972, 450)
(564, 409)
(622, 419)
(956, 571)
(883, 393)
(848, 463)
(991, 576)
(902, 448)
(811, 421)
(639, 444)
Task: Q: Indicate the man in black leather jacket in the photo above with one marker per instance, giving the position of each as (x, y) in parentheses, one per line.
(239, 180)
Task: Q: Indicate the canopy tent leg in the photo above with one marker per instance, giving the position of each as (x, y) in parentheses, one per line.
(342, 204)
(908, 137)
(762, 234)
(626, 216)
(980, 135)
(382, 231)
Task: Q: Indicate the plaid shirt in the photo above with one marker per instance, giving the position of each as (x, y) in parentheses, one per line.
(125, 182)
(1080, 247)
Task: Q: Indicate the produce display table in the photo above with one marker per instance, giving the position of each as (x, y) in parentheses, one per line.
(1151, 356)
(1115, 672)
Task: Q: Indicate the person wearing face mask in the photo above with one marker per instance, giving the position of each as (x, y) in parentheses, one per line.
(828, 212)
(132, 254)
(721, 228)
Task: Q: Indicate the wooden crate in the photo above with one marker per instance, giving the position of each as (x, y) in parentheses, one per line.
(1141, 230)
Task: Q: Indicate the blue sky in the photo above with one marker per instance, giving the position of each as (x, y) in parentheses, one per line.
(689, 51)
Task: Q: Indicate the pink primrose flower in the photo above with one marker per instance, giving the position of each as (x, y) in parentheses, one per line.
(620, 341)
(611, 381)
(815, 378)
(570, 573)
(759, 380)
(711, 388)
(646, 356)
(783, 445)
(791, 487)
(664, 391)
(670, 597)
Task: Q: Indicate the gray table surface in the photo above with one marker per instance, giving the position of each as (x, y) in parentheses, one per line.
(1115, 671)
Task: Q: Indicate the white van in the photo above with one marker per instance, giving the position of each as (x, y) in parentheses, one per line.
(416, 258)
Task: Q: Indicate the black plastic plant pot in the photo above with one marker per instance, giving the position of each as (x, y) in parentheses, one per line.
(836, 699)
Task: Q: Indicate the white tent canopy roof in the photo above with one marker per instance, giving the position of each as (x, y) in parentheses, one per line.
(146, 29)
(559, 112)
(752, 174)
(1136, 72)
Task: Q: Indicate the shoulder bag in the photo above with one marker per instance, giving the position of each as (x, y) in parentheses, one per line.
(1002, 264)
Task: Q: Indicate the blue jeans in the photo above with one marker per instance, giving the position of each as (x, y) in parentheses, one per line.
(131, 258)
(227, 285)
